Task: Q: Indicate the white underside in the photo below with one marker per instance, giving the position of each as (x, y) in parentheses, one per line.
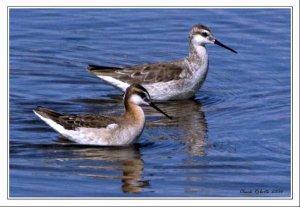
(112, 135)
(117, 83)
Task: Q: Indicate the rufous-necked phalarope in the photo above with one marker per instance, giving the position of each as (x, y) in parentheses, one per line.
(179, 79)
(103, 130)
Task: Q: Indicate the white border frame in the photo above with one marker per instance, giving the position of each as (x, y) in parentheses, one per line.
(4, 201)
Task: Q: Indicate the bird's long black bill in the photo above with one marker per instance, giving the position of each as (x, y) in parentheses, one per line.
(158, 109)
(224, 46)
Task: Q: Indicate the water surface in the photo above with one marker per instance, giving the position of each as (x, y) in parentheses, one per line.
(231, 140)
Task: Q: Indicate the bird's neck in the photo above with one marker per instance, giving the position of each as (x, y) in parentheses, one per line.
(197, 52)
(134, 114)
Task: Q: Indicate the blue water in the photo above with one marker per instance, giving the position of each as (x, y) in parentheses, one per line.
(232, 140)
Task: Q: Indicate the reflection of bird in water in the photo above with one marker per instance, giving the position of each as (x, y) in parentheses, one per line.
(102, 160)
(132, 175)
(189, 119)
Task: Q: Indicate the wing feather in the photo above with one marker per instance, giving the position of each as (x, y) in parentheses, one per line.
(146, 73)
(87, 121)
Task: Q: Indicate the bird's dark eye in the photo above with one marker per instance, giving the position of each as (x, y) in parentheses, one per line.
(142, 95)
(204, 34)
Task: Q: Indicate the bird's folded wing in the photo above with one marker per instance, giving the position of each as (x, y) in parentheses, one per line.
(143, 74)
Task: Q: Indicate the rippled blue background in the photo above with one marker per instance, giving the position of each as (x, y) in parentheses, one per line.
(232, 140)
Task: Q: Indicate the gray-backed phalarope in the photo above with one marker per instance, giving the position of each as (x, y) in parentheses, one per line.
(179, 79)
(103, 130)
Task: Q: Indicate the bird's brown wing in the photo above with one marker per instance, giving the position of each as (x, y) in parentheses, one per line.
(86, 121)
(146, 73)
(73, 121)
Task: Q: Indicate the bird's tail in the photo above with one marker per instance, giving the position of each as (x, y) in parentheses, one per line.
(47, 113)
